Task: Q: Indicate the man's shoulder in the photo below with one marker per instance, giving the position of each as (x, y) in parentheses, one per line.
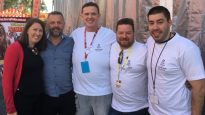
(68, 38)
(115, 44)
(107, 34)
(78, 29)
(139, 47)
(139, 44)
(184, 42)
(106, 29)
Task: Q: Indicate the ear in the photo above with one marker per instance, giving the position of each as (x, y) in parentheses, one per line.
(170, 22)
(81, 15)
(46, 24)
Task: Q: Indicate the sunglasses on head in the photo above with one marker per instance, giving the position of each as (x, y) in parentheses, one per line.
(120, 58)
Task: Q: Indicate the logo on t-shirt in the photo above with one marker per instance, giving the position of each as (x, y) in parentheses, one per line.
(162, 65)
(98, 48)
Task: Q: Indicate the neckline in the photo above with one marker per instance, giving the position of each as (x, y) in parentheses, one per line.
(172, 34)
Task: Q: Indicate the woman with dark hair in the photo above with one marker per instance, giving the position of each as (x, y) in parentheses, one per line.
(22, 76)
(3, 42)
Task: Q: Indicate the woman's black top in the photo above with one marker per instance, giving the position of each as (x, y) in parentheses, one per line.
(31, 81)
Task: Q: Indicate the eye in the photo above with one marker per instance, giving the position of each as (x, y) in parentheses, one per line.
(129, 33)
(160, 22)
(35, 29)
(93, 14)
(40, 30)
(52, 22)
(151, 23)
(86, 14)
(59, 22)
(119, 33)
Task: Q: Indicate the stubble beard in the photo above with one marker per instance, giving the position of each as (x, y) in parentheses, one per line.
(55, 33)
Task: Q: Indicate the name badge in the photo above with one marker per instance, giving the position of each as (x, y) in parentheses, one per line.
(88, 50)
(118, 83)
(154, 99)
(85, 67)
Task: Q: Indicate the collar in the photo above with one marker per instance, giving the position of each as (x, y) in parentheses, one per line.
(172, 34)
(49, 37)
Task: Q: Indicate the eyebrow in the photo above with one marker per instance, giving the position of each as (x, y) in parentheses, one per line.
(157, 20)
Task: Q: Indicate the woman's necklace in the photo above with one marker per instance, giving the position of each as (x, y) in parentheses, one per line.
(35, 50)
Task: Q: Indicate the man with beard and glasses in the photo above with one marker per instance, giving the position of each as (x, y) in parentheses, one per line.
(59, 97)
(172, 60)
(128, 72)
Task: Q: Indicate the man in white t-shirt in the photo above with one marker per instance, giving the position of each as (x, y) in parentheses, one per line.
(91, 71)
(128, 72)
(172, 60)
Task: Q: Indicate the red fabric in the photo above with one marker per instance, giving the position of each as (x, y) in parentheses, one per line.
(13, 61)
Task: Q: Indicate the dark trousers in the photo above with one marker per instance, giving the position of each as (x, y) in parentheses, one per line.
(27, 104)
(203, 111)
(140, 112)
(62, 105)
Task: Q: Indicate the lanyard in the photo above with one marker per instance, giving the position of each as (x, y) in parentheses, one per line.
(124, 62)
(85, 42)
(155, 68)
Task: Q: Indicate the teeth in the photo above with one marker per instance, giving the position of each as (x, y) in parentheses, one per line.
(36, 37)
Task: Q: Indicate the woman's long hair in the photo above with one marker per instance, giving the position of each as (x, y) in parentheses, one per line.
(41, 45)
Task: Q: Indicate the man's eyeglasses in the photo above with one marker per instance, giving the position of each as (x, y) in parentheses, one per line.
(120, 58)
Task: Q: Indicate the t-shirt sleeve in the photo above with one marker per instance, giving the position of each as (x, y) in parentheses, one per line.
(191, 63)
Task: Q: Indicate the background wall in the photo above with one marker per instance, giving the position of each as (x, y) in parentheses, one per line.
(188, 16)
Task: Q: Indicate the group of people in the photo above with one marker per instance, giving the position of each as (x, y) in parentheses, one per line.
(95, 71)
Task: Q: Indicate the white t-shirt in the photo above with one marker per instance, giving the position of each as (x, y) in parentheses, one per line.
(132, 94)
(179, 61)
(97, 81)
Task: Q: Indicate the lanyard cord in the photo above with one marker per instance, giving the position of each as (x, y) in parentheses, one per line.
(155, 69)
(85, 42)
(121, 65)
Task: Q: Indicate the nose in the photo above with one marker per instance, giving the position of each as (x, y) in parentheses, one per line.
(89, 15)
(155, 26)
(55, 24)
(38, 32)
(124, 35)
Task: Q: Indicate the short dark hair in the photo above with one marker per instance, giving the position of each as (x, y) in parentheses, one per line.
(56, 13)
(128, 21)
(41, 45)
(90, 4)
(159, 9)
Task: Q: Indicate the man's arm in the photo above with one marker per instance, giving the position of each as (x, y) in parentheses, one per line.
(198, 93)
